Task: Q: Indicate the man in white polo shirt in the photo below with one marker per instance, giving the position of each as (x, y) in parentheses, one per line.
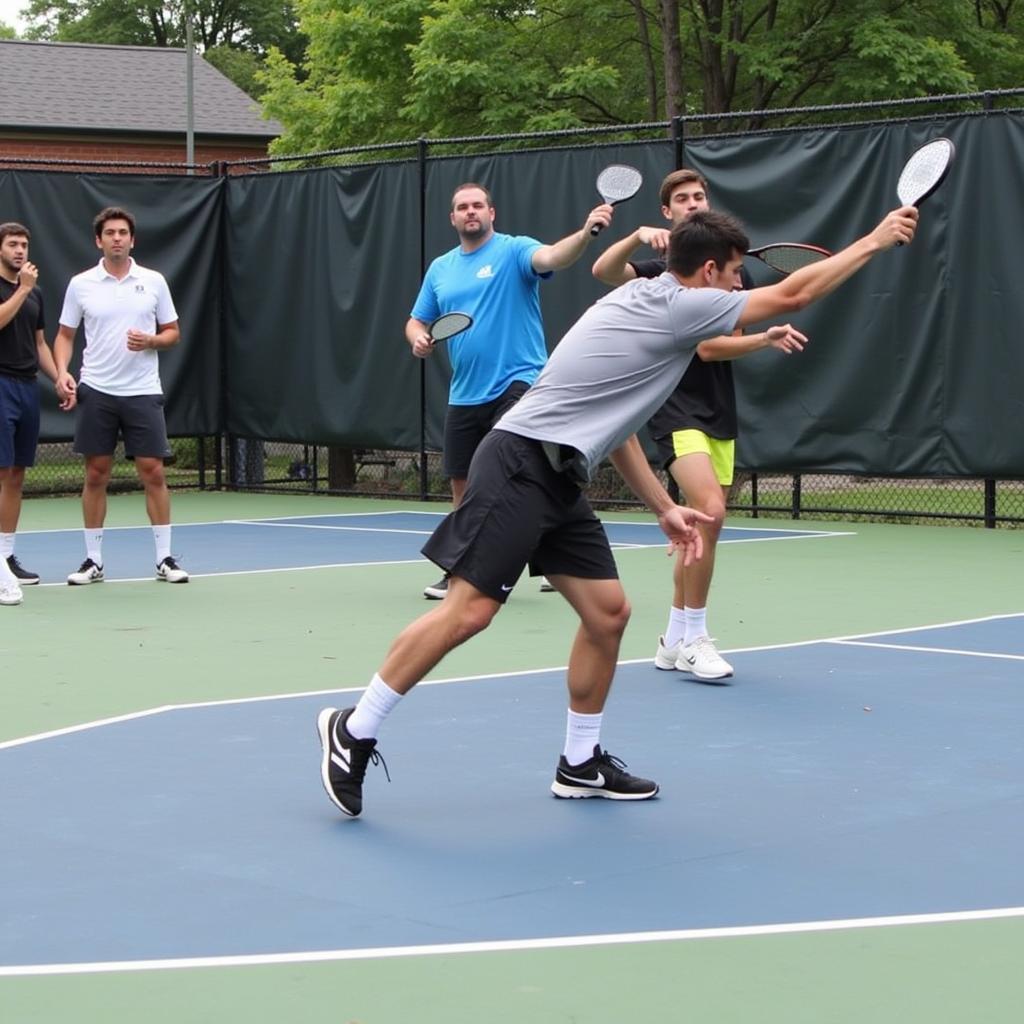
(129, 317)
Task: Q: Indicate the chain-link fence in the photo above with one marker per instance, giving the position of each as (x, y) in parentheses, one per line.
(248, 464)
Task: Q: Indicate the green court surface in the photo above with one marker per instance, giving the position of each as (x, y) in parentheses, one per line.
(78, 655)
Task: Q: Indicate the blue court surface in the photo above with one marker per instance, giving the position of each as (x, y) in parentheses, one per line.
(847, 778)
(304, 542)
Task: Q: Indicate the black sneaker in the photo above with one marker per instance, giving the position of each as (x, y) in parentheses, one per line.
(436, 591)
(21, 574)
(344, 762)
(602, 775)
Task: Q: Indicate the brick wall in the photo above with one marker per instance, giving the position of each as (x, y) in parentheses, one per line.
(89, 149)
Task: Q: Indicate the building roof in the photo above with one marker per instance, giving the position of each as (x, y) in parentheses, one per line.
(91, 87)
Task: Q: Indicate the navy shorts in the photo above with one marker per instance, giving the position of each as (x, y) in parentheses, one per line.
(466, 425)
(19, 421)
(139, 419)
(519, 511)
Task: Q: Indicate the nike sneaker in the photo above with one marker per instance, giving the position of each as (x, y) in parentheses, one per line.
(602, 775)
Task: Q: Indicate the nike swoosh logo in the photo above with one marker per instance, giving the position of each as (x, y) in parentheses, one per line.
(596, 783)
(506, 589)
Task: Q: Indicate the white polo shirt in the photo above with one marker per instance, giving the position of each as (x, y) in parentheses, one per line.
(110, 308)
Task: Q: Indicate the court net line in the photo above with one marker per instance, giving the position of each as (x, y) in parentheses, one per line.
(927, 650)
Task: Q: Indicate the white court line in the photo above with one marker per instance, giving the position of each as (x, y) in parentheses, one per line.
(283, 520)
(505, 946)
(928, 650)
(317, 526)
(243, 522)
(98, 723)
(514, 945)
(255, 572)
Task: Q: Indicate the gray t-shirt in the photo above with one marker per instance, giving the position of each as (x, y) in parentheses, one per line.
(618, 363)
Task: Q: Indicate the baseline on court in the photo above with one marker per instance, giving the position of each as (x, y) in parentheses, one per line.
(301, 542)
(846, 782)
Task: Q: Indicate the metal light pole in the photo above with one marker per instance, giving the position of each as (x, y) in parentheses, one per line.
(190, 113)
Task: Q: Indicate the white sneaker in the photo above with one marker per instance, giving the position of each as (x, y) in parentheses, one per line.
(546, 586)
(88, 572)
(170, 572)
(703, 660)
(10, 593)
(667, 657)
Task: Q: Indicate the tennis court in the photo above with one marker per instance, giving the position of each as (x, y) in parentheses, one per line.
(837, 837)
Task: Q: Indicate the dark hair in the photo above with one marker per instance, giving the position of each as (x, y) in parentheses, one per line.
(112, 213)
(12, 227)
(706, 235)
(677, 178)
(472, 184)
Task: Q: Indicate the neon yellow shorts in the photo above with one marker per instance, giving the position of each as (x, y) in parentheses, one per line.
(721, 453)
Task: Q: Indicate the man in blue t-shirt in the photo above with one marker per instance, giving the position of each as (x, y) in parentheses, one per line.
(495, 279)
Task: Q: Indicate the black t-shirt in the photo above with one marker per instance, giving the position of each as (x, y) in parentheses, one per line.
(705, 398)
(18, 354)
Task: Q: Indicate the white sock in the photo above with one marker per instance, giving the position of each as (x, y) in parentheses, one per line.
(696, 624)
(94, 545)
(162, 539)
(6, 545)
(377, 702)
(676, 627)
(582, 734)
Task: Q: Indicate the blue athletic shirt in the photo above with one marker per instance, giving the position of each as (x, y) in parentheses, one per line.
(498, 287)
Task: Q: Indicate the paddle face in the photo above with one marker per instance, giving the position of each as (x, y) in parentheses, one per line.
(785, 257)
(924, 172)
(617, 183)
(448, 325)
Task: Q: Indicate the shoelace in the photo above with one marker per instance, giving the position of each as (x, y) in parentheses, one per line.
(702, 643)
(612, 761)
(365, 757)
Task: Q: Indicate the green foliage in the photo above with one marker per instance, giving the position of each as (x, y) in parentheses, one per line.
(7, 32)
(241, 66)
(401, 69)
(250, 25)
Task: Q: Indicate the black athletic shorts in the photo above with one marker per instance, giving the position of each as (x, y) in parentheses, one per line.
(519, 511)
(139, 419)
(466, 425)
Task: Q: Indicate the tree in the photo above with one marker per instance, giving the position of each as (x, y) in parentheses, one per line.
(399, 69)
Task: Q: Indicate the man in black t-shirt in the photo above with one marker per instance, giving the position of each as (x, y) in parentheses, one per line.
(695, 432)
(23, 351)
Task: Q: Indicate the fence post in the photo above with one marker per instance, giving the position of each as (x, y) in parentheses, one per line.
(797, 484)
(219, 169)
(677, 141)
(990, 504)
(421, 163)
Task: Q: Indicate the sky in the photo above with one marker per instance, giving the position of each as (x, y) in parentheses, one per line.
(9, 13)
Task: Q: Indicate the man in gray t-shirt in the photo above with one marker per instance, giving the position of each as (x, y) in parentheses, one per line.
(524, 504)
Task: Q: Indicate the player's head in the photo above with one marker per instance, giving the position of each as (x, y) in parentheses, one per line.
(109, 213)
(683, 193)
(472, 213)
(115, 232)
(708, 248)
(14, 239)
